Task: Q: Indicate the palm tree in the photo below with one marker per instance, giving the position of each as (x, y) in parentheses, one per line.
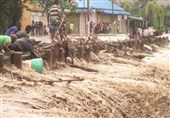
(154, 13)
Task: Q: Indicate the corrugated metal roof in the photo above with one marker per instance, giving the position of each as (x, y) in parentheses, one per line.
(104, 11)
(116, 12)
(136, 18)
(103, 5)
(98, 4)
(79, 10)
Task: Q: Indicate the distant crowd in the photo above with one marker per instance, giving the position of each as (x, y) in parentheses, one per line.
(38, 29)
(102, 27)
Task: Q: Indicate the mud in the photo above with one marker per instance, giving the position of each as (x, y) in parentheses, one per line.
(124, 89)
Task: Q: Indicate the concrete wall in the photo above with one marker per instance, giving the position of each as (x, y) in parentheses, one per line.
(28, 16)
(38, 16)
(75, 18)
(124, 26)
(25, 18)
(83, 22)
(101, 17)
(121, 25)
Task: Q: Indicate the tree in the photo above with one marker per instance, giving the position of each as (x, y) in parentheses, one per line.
(10, 13)
(154, 13)
(127, 6)
(65, 4)
(167, 17)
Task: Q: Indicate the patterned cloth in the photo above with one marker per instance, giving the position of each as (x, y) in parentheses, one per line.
(54, 17)
(54, 14)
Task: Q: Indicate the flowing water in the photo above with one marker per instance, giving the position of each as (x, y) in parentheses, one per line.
(162, 58)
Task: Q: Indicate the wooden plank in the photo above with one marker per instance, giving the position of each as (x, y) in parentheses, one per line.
(84, 68)
(16, 59)
(61, 55)
(1, 61)
(96, 49)
(48, 55)
(80, 52)
(87, 50)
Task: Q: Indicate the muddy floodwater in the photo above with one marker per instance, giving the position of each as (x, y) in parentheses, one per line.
(124, 89)
(162, 58)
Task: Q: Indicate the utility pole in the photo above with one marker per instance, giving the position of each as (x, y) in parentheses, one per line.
(88, 18)
(85, 17)
(113, 17)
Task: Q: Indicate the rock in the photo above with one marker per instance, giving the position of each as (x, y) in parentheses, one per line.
(68, 60)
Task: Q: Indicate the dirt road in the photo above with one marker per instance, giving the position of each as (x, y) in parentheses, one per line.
(128, 89)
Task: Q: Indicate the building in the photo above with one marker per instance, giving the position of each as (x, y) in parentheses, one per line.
(99, 11)
(33, 12)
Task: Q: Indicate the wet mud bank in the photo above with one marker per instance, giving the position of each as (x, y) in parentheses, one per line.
(129, 89)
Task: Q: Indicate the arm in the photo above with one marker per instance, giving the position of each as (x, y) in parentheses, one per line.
(48, 15)
(34, 54)
(5, 47)
(60, 17)
(32, 51)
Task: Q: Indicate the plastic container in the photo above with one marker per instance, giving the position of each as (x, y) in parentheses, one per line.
(36, 64)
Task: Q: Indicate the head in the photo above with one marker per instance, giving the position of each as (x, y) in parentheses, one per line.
(28, 29)
(18, 24)
(56, 2)
(13, 38)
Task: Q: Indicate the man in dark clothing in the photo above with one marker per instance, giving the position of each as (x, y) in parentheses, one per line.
(21, 33)
(25, 45)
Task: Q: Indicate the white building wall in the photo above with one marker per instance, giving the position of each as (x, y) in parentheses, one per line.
(123, 26)
(119, 27)
(37, 16)
(82, 23)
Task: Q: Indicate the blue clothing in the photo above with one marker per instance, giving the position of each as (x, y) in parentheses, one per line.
(12, 29)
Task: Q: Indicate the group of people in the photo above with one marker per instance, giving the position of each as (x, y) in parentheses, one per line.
(38, 29)
(16, 39)
(102, 27)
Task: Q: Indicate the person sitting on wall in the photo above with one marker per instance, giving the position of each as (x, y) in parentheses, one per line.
(5, 41)
(13, 29)
(25, 45)
(24, 33)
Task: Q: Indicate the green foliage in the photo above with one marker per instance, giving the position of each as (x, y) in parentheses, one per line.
(10, 13)
(46, 4)
(127, 6)
(167, 16)
(154, 13)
